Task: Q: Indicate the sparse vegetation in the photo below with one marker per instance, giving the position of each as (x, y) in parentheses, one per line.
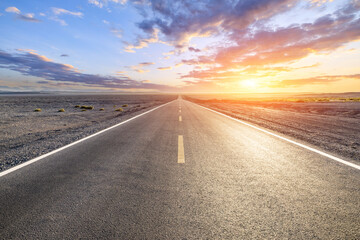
(298, 100)
(307, 100)
(87, 107)
(32, 123)
(119, 110)
(295, 99)
(101, 109)
(125, 105)
(61, 110)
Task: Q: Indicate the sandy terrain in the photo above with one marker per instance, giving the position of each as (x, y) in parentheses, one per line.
(25, 134)
(332, 126)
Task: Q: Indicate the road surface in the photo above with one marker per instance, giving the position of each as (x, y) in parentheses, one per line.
(181, 172)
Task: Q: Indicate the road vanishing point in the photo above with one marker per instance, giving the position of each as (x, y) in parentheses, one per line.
(181, 172)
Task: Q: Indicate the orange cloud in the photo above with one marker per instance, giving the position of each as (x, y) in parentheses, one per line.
(142, 42)
(13, 10)
(30, 17)
(319, 2)
(140, 67)
(262, 51)
(312, 81)
(164, 68)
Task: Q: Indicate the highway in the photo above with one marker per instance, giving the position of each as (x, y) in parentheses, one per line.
(181, 172)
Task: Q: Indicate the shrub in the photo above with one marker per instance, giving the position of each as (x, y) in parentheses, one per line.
(37, 110)
(77, 106)
(101, 109)
(119, 110)
(61, 110)
(87, 107)
(125, 105)
(83, 110)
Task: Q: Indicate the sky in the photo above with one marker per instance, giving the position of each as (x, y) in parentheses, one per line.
(243, 46)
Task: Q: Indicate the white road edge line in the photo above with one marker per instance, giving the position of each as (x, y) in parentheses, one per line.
(17, 167)
(288, 140)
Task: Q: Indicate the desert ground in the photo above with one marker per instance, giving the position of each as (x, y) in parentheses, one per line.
(25, 133)
(331, 123)
(328, 122)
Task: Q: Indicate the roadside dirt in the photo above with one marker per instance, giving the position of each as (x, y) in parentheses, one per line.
(331, 126)
(25, 134)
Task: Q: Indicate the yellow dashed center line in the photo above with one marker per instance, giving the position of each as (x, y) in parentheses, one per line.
(180, 118)
(181, 155)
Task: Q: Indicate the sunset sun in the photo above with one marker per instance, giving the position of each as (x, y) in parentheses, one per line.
(249, 84)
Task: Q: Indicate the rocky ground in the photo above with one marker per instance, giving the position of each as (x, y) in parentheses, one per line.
(25, 134)
(330, 126)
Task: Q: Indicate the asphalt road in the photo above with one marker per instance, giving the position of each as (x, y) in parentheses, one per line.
(204, 177)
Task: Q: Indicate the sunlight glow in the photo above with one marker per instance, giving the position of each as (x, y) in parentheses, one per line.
(249, 83)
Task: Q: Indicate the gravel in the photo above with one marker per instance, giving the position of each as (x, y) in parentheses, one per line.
(26, 134)
(331, 126)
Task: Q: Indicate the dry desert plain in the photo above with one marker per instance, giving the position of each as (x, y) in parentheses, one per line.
(329, 122)
(25, 133)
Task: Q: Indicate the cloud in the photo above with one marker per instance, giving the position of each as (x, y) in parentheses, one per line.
(140, 67)
(180, 21)
(33, 64)
(29, 17)
(60, 11)
(164, 68)
(169, 53)
(311, 81)
(144, 64)
(96, 3)
(117, 32)
(259, 51)
(211, 86)
(250, 43)
(102, 3)
(194, 49)
(13, 10)
(142, 42)
(319, 2)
